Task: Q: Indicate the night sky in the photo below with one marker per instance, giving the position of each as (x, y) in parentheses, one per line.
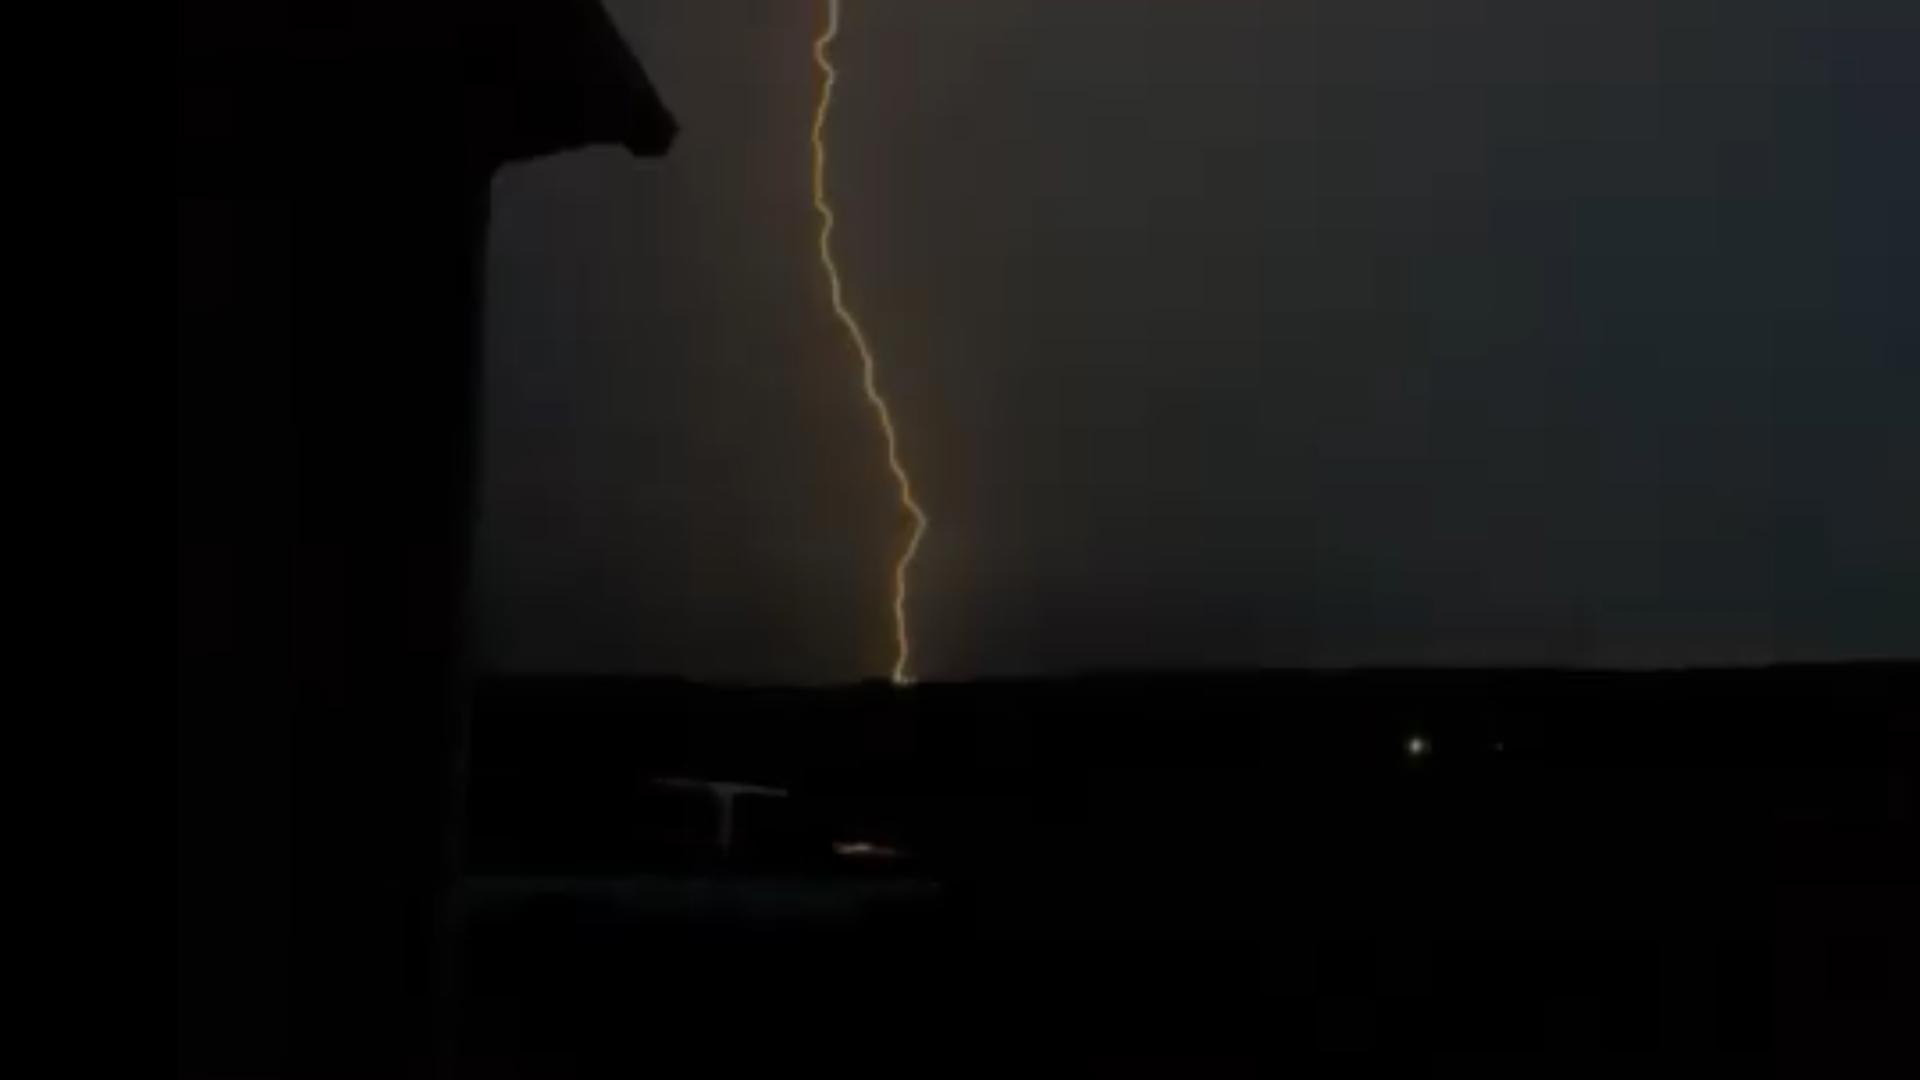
(1316, 332)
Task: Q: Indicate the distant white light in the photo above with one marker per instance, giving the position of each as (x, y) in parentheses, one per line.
(1418, 746)
(864, 849)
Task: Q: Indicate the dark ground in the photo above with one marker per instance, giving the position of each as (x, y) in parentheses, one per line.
(1239, 868)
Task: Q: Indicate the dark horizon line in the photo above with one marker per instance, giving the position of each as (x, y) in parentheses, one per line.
(1861, 665)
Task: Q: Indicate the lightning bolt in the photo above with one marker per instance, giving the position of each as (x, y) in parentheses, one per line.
(902, 640)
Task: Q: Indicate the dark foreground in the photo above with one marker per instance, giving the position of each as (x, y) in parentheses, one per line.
(1235, 870)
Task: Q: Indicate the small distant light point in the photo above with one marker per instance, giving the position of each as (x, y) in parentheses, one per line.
(1418, 746)
(864, 849)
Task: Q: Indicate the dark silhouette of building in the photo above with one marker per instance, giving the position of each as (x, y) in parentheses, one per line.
(331, 173)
